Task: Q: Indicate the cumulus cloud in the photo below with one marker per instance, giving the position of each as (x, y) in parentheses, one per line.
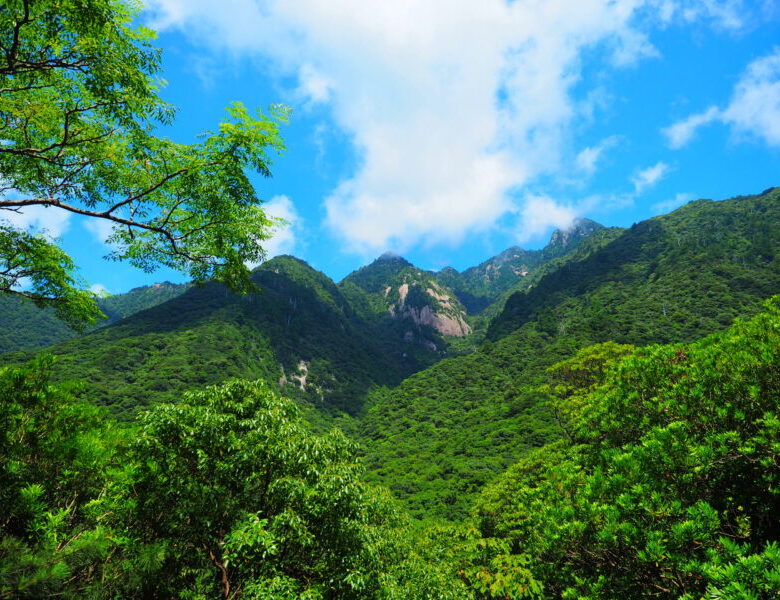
(648, 177)
(539, 213)
(753, 111)
(284, 237)
(450, 108)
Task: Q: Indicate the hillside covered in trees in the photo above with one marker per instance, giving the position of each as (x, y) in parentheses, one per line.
(448, 430)
(473, 439)
(597, 419)
(662, 484)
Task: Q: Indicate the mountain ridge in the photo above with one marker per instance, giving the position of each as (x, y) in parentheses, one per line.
(444, 432)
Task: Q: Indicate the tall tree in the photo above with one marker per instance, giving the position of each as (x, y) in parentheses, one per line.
(78, 106)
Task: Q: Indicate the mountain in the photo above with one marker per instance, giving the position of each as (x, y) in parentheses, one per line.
(444, 432)
(299, 332)
(374, 353)
(481, 286)
(323, 343)
(24, 326)
(414, 310)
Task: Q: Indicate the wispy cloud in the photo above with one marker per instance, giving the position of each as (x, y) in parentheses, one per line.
(284, 239)
(682, 132)
(588, 158)
(99, 290)
(732, 15)
(648, 177)
(753, 111)
(40, 219)
(669, 205)
(101, 229)
(540, 213)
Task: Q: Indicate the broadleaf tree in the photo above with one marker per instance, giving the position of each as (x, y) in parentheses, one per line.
(79, 104)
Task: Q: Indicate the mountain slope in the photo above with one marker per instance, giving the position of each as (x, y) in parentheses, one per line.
(481, 286)
(24, 326)
(299, 333)
(415, 313)
(444, 432)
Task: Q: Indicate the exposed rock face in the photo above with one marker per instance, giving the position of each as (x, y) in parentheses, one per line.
(442, 312)
(302, 374)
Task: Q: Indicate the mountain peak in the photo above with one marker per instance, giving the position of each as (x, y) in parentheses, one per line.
(391, 256)
(579, 228)
(377, 275)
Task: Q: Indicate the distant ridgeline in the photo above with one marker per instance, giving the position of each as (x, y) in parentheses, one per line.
(438, 374)
(437, 438)
(325, 344)
(24, 326)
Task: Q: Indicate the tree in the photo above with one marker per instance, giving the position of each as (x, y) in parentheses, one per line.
(56, 453)
(228, 494)
(244, 501)
(78, 106)
(667, 485)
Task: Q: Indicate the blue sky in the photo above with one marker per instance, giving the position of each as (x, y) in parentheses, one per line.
(450, 130)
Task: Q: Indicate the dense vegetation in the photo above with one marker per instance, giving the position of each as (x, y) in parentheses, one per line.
(448, 430)
(224, 494)
(24, 326)
(299, 333)
(342, 339)
(665, 484)
(480, 287)
(567, 456)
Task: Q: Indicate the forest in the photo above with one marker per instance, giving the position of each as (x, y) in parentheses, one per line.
(597, 419)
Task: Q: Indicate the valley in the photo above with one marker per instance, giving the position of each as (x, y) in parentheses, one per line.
(456, 388)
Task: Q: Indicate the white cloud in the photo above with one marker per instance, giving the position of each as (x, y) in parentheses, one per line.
(731, 15)
(540, 213)
(649, 177)
(52, 222)
(753, 112)
(314, 86)
(682, 132)
(451, 107)
(284, 238)
(754, 109)
(587, 160)
(99, 290)
(669, 205)
(101, 229)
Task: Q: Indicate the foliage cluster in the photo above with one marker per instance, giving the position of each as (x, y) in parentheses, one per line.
(666, 484)
(79, 103)
(225, 494)
(446, 431)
